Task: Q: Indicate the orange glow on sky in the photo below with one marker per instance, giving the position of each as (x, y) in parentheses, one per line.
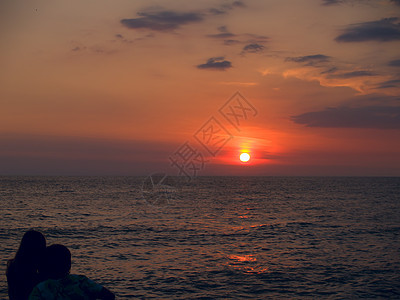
(114, 90)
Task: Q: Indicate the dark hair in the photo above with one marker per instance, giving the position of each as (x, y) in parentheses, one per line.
(22, 271)
(57, 261)
(31, 249)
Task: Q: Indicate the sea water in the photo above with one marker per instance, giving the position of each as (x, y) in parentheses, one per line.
(216, 237)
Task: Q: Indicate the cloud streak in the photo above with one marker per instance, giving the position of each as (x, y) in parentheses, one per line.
(169, 20)
(378, 117)
(395, 63)
(395, 83)
(253, 48)
(224, 34)
(331, 2)
(252, 43)
(353, 74)
(223, 9)
(310, 60)
(216, 63)
(384, 30)
(162, 20)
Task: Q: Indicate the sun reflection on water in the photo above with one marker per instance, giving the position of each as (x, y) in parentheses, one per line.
(247, 264)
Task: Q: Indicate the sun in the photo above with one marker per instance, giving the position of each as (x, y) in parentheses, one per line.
(244, 157)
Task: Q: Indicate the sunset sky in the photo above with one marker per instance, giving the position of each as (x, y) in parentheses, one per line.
(122, 87)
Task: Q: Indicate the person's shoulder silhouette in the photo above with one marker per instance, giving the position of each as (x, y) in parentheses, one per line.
(62, 285)
(22, 270)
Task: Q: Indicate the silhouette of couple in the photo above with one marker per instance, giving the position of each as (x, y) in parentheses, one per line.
(37, 272)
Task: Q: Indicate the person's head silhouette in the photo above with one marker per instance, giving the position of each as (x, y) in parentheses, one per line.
(22, 270)
(60, 284)
(57, 261)
(32, 247)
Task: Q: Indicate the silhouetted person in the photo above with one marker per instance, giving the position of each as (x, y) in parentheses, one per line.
(22, 271)
(61, 285)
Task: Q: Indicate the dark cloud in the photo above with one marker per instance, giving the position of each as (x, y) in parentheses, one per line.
(395, 63)
(216, 63)
(254, 38)
(223, 9)
(331, 2)
(253, 48)
(238, 4)
(353, 74)
(310, 60)
(92, 50)
(253, 43)
(224, 33)
(395, 83)
(351, 2)
(231, 42)
(379, 117)
(121, 38)
(216, 11)
(330, 70)
(384, 30)
(162, 20)
(167, 20)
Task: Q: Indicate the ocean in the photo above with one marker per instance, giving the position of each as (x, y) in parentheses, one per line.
(215, 237)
